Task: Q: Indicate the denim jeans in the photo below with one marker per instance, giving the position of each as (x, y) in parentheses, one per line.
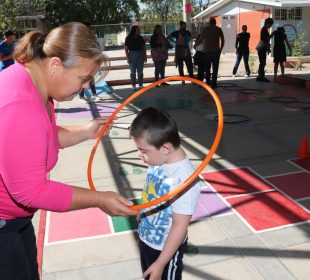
(212, 58)
(245, 56)
(160, 69)
(136, 65)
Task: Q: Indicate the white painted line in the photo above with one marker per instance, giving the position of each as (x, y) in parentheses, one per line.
(280, 227)
(90, 237)
(302, 199)
(47, 227)
(283, 174)
(298, 166)
(250, 193)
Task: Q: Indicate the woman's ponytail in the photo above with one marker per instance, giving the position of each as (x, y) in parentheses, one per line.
(29, 47)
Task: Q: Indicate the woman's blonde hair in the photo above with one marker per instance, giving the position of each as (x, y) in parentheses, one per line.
(69, 42)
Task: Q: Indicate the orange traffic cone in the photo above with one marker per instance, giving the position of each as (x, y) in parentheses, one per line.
(303, 148)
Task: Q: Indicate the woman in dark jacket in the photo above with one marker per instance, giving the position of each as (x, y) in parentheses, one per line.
(136, 55)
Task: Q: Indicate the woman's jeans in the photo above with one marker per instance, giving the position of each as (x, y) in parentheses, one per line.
(136, 65)
(245, 55)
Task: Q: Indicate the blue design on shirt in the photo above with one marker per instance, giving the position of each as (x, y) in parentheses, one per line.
(154, 226)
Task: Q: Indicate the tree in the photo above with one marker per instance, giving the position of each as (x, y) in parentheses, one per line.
(94, 12)
(163, 9)
(59, 11)
(9, 10)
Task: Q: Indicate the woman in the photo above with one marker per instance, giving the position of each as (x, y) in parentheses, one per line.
(199, 57)
(279, 50)
(159, 51)
(135, 51)
(55, 68)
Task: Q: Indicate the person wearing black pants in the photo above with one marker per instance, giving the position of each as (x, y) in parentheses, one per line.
(214, 42)
(243, 51)
(262, 52)
(17, 239)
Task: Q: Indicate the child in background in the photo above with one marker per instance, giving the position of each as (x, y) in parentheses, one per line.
(163, 229)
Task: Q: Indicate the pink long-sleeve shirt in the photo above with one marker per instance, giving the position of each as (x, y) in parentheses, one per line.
(29, 148)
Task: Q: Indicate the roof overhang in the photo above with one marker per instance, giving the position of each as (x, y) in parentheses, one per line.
(275, 4)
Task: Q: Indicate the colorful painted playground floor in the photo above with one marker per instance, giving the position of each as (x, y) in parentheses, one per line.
(261, 203)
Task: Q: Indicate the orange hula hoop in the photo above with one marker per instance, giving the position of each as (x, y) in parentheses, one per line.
(196, 173)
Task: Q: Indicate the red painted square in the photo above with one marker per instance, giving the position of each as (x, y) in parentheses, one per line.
(268, 210)
(303, 163)
(235, 182)
(296, 185)
(77, 224)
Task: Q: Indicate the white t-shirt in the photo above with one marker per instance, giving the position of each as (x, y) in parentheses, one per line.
(155, 225)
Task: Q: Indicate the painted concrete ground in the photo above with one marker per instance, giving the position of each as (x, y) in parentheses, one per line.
(253, 177)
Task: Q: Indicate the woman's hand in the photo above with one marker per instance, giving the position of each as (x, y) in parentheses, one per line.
(93, 128)
(114, 204)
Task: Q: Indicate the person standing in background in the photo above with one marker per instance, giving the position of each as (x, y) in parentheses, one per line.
(199, 58)
(6, 50)
(214, 42)
(279, 50)
(242, 51)
(182, 39)
(159, 52)
(262, 52)
(135, 51)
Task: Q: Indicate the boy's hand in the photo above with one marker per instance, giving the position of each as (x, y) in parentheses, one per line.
(154, 272)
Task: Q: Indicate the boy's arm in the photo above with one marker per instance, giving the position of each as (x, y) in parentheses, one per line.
(175, 238)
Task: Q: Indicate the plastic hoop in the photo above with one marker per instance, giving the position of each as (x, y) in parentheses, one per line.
(196, 173)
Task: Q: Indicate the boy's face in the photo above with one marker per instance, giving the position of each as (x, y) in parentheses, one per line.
(150, 154)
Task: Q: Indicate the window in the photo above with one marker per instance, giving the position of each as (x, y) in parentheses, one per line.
(288, 14)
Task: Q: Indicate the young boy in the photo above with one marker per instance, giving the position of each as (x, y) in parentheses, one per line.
(163, 229)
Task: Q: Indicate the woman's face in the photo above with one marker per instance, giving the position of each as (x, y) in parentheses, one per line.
(70, 81)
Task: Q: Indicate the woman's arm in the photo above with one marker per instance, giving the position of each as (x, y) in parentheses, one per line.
(72, 135)
(127, 54)
(175, 238)
(110, 202)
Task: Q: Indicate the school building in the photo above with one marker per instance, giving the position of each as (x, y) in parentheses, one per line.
(293, 15)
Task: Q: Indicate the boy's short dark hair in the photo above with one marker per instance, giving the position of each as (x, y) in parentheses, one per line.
(182, 22)
(156, 127)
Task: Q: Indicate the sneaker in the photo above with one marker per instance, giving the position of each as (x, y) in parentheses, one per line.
(247, 76)
(140, 86)
(262, 79)
(183, 83)
(96, 98)
(165, 84)
(134, 87)
(234, 75)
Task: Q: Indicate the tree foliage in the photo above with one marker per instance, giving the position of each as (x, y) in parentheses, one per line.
(163, 10)
(61, 11)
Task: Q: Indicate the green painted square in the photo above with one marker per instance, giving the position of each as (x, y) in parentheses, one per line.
(125, 223)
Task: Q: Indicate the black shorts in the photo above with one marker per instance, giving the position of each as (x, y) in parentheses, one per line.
(18, 251)
(173, 269)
